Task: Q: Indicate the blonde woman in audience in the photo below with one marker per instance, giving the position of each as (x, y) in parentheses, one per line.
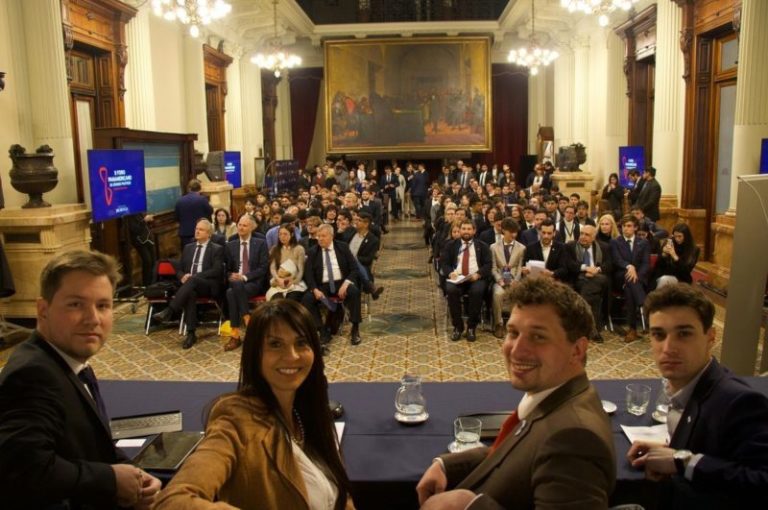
(286, 264)
(606, 228)
(271, 444)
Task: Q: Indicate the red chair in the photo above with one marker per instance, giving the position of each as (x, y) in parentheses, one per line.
(165, 270)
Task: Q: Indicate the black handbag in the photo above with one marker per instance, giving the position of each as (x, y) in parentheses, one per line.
(164, 289)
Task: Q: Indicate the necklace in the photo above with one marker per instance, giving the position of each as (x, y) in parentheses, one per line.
(299, 438)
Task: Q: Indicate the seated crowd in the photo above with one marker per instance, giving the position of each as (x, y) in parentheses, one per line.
(485, 239)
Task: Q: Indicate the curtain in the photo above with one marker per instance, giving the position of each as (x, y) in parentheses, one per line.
(305, 91)
(509, 105)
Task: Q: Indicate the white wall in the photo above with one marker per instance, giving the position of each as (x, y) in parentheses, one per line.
(168, 72)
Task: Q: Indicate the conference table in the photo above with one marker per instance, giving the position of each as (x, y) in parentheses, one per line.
(384, 458)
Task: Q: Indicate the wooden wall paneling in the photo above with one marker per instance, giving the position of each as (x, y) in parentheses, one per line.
(269, 109)
(215, 75)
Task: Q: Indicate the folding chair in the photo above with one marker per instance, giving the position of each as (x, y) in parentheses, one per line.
(203, 301)
(164, 271)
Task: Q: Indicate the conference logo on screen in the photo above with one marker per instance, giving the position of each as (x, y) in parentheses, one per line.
(117, 183)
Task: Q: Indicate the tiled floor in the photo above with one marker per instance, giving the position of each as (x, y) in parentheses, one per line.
(407, 332)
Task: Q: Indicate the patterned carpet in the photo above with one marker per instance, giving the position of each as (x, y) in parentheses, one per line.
(407, 331)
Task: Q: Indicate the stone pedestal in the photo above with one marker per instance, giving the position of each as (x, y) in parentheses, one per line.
(220, 194)
(31, 237)
(575, 182)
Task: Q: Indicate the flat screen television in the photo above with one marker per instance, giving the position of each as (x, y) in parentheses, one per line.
(630, 158)
(117, 183)
(764, 156)
(232, 168)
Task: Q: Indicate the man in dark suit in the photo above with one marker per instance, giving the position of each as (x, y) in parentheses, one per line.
(557, 264)
(371, 206)
(468, 263)
(593, 273)
(532, 235)
(247, 261)
(331, 271)
(364, 245)
(485, 176)
(465, 176)
(419, 185)
(567, 229)
(388, 184)
(638, 183)
(493, 234)
(556, 450)
(445, 179)
(650, 195)
(189, 209)
(200, 276)
(631, 264)
(56, 448)
(718, 453)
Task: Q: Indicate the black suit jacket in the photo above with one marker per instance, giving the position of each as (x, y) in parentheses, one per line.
(528, 236)
(315, 265)
(648, 199)
(213, 264)
(389, 186)
(488, 236)
(53, 445)
(191, 208)
(449, 259)
(726, 421)
(374, 209)
(602, 258)
(368, 251)
(258, 259)
(639, 257)
(558, 261)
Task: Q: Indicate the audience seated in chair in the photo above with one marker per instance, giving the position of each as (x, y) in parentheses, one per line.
(679, 256)
(508, 258)
(200, 276)
(631, 262)
(247, 264)
(286, 265)
(557, 264)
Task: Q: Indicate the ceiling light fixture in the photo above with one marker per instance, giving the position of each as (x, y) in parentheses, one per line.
(276, 59)
(533, 56)
(602, 8)
(194, 13)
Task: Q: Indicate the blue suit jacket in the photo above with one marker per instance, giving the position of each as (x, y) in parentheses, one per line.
(639, 257)
(727, 421)
(189, 210)
(258, 259)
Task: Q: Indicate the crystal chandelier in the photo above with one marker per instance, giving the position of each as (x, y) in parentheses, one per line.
(603, 8)
(191, 12)
(533, 56)
(276, 59)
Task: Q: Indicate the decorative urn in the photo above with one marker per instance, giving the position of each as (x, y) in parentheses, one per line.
(33, 174)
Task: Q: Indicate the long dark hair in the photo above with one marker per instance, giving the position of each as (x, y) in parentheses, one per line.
(311, 400)
(274, 253)
(686, 250)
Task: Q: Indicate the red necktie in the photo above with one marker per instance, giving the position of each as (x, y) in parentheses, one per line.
(465, 260)
(508, 426)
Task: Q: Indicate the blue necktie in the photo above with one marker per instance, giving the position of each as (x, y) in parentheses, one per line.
(88, 377)
(587, 258)
(329, 268)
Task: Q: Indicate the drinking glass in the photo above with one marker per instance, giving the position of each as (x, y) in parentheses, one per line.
(638, 398)
(661, 409)
(466, 432)
(410, 402)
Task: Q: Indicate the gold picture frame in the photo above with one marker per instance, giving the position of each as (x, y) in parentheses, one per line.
(394, 96)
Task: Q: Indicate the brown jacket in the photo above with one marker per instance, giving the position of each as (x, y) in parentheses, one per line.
(245, 461)
(560, 457)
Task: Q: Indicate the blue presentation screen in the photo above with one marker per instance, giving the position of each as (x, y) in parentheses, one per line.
(117, 183)
(764, 157)
(630, 158)
(232, 168)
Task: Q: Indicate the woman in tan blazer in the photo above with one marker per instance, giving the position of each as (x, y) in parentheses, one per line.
(271, 444)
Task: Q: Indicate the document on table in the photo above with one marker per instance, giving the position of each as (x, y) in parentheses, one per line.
(131, 443)
(339, 432)
(652, 434)
(536, 266)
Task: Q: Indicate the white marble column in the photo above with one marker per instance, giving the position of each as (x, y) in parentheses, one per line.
(564, 89)
(537, 105)
(597, 103)
(49, 92)
(194, 87)
(580, 84)
(617, 106)
(669, 108)
(751, 122)
(253, 126)
(140, 93)
(283, 131)
(233, 126)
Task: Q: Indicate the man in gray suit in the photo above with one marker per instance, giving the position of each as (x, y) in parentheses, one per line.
(556, 449)
(508, 256)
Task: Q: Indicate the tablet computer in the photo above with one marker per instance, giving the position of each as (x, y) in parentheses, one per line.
(168, 450)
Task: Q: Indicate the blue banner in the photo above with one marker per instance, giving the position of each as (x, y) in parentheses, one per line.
(630, 158)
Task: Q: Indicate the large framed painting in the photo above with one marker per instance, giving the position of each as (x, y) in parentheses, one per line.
(393, 96)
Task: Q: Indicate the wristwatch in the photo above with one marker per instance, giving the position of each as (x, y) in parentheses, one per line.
(682, 457)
